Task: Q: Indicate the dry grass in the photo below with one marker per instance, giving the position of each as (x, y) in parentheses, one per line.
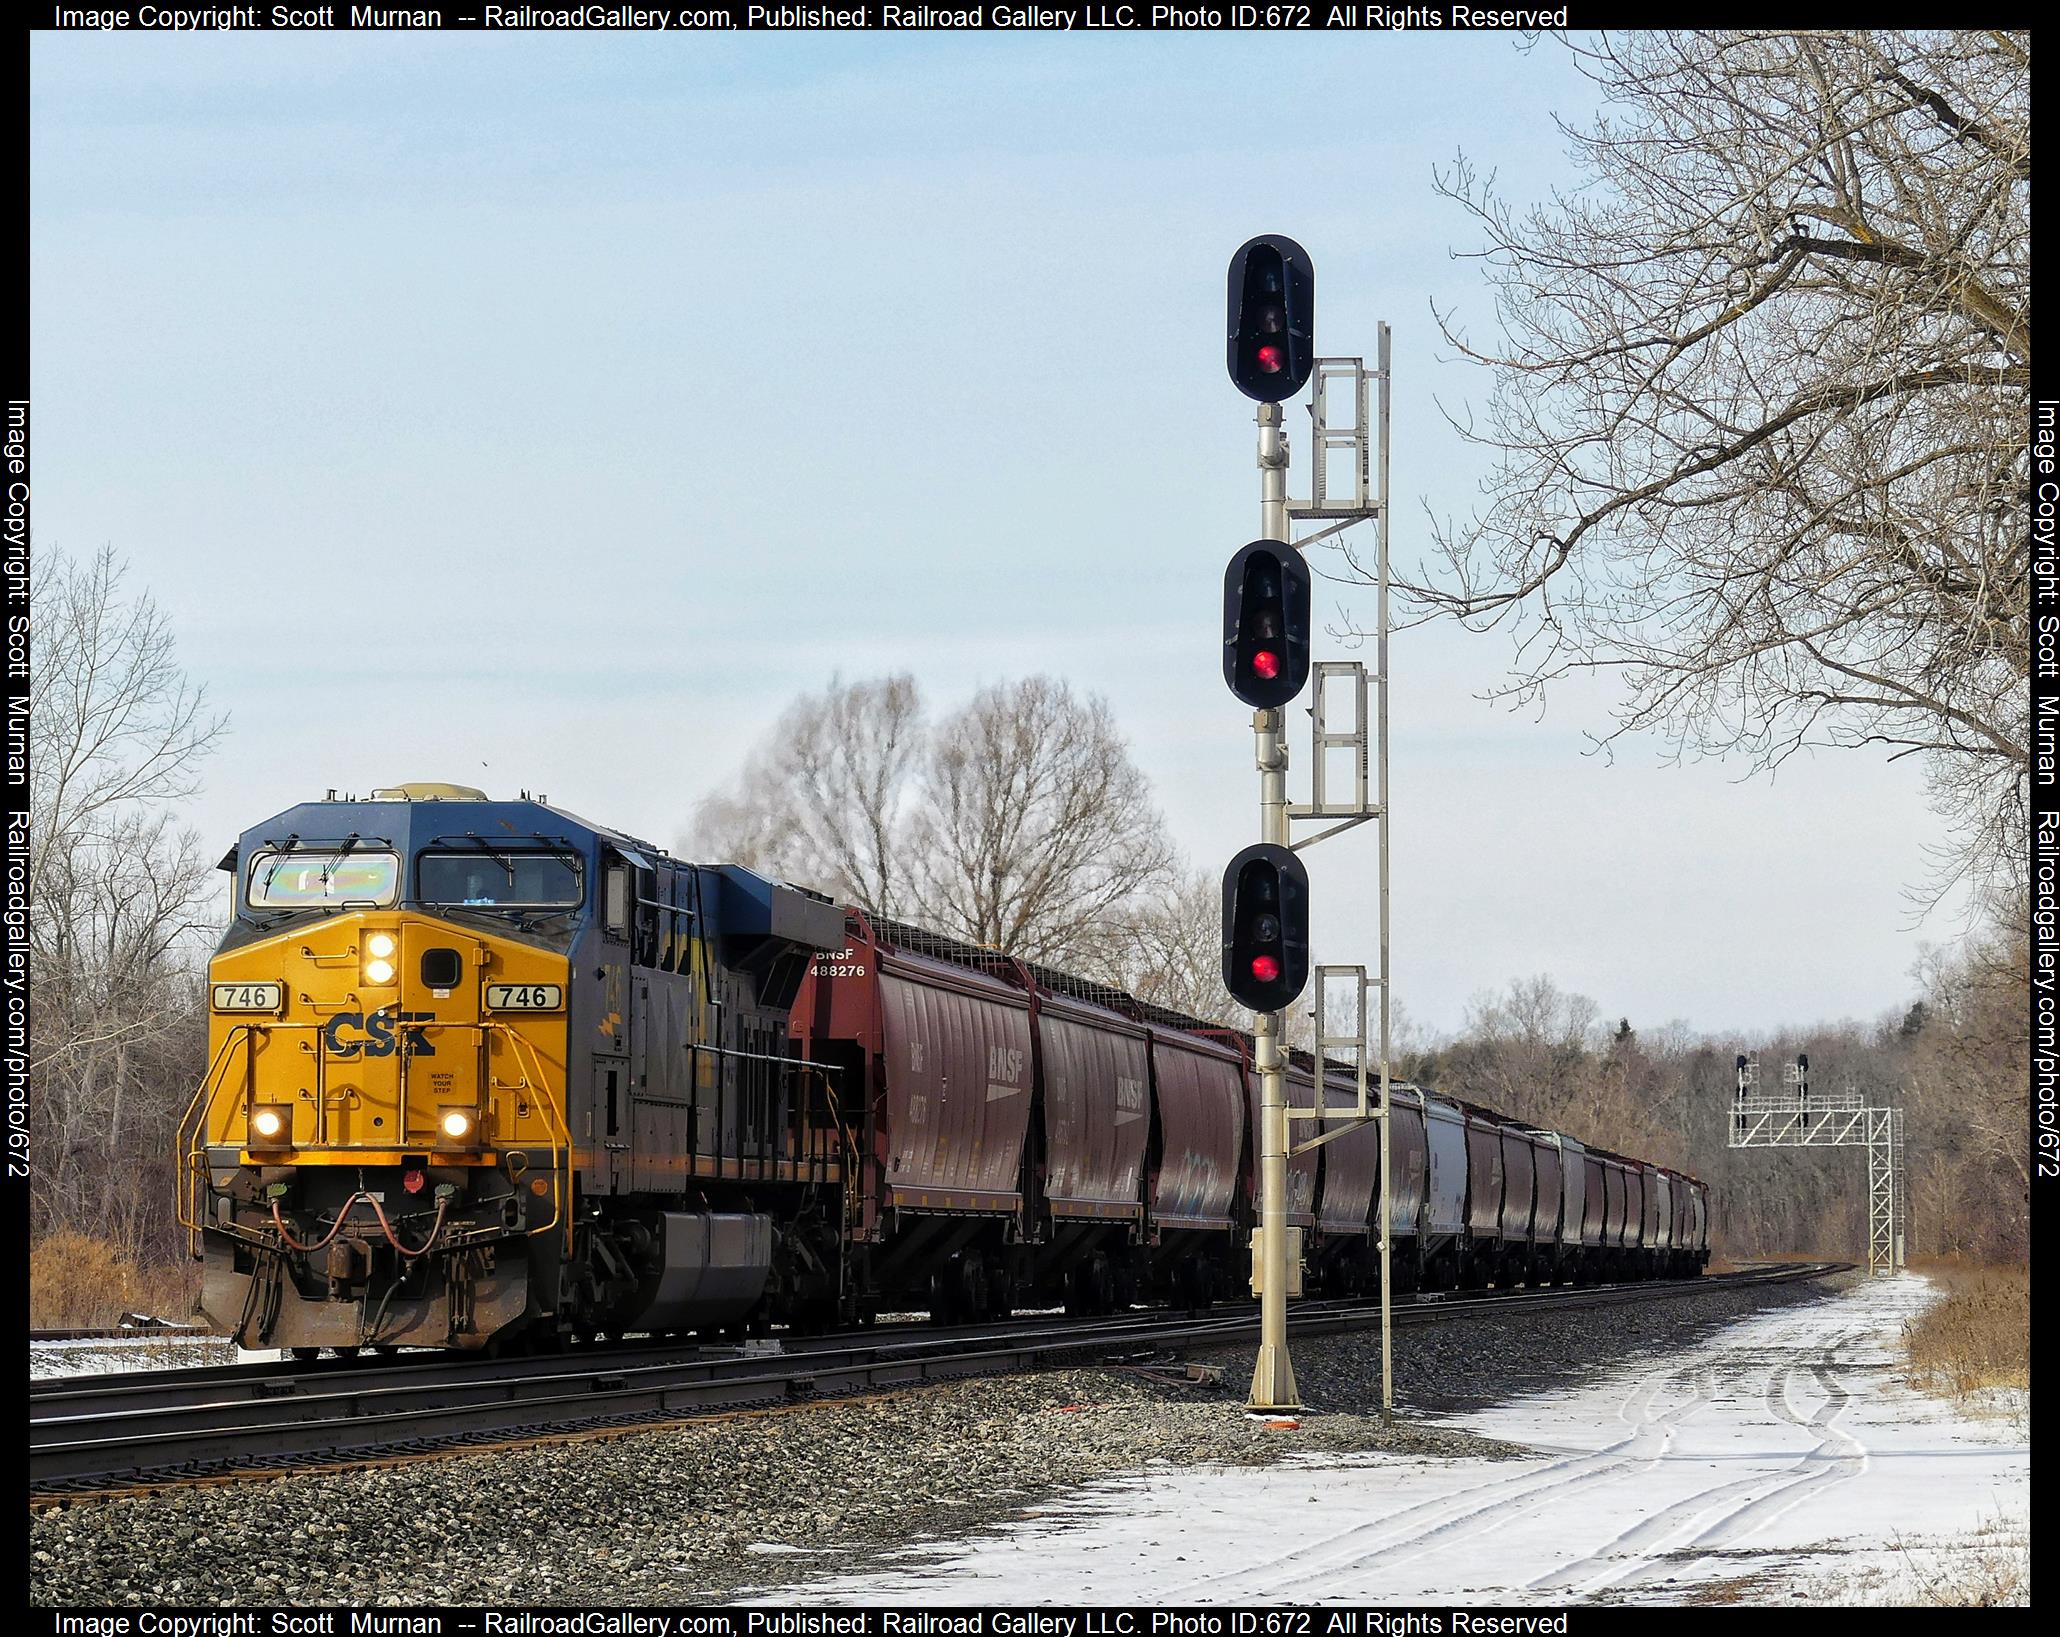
(79, 1282)
(1976, 1335)
(1991, 1569)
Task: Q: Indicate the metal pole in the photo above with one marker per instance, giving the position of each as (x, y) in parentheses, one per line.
(1273, 1376)
(1387, 1368)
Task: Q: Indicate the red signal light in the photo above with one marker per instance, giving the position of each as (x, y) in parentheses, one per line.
(1267, 663)
(1265, 968)
(1269, 359)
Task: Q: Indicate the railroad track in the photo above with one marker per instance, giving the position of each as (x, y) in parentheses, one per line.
(152, 1428)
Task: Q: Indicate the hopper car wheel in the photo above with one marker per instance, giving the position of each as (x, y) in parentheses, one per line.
(305, 1355)
(1001, 1290)
(347, 1352)
(1092, 1286)
(386, 1349)
(972, 1290)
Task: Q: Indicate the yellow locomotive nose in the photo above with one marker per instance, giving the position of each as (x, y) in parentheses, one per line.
(376, 1033)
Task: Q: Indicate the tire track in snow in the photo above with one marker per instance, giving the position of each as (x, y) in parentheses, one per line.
(1640, 1551)
(1838, 1457)
(1460, 1515)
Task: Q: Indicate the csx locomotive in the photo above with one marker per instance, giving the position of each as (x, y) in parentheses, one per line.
(484, 1074)
(481, 1069)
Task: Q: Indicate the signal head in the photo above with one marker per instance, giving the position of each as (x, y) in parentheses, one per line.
(1272, 318)
(1266, 597)
(1265, 927)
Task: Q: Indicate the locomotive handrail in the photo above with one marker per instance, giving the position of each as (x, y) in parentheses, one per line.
(820, 1073)
(534, 1067)
(192, 1151)
(186, 1192)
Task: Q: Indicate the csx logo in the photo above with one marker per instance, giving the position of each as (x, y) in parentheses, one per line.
(1004, 1063)
(377, 1034)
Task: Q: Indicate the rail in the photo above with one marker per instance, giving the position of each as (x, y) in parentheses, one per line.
(94, 1432)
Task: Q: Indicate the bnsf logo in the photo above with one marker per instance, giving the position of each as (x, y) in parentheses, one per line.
(377, 1034)
(1004, 1063)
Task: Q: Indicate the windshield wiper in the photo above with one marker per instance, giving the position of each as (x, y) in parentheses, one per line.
(329, 869)
(489, 849)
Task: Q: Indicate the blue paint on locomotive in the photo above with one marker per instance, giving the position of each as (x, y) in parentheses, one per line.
(414, 827)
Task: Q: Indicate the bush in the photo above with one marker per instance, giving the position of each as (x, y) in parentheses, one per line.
(78, 1282)
(1977, 1333)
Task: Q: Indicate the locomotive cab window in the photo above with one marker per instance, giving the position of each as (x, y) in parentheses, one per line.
(309, 878)
(498, 880)
(615, 900)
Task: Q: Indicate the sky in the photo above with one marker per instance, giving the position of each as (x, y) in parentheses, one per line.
(545, 412)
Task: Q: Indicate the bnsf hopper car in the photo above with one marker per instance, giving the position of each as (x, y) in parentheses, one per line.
(483, 1073)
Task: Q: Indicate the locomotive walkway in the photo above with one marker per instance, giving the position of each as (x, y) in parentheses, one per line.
(157, 1428)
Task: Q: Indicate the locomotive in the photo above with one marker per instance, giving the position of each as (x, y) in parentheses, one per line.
(483, 1074)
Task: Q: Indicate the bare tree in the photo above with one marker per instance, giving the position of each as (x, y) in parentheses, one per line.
(1166, 947)
(1037, 824)
(827, 799)
(1760, 406)
(1968, 1068)
(113, 719)
(1527, 1051)
(116, 889)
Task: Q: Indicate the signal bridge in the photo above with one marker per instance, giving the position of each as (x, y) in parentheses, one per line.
(1797, 1117)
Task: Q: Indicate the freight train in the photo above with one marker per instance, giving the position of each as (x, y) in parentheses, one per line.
(483, 1074)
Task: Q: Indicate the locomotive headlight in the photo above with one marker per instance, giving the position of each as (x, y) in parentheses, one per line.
(381, 944)
(379, 972)
(455, 1125)
(271, 1126)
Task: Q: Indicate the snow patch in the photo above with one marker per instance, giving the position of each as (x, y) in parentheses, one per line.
(1785, 1457)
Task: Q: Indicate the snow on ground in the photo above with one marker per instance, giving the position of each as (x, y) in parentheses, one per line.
(1781, 1458)
(146, 1350)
